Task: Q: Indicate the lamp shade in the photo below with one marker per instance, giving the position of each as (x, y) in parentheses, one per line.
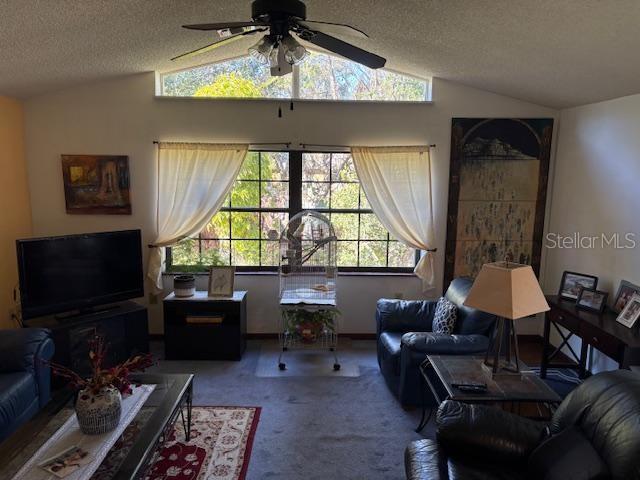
(507, 289)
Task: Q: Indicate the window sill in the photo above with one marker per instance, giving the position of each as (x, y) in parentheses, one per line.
(272, 274)
(295, 100)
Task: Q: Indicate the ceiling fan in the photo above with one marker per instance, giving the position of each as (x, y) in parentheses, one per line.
(282, 21)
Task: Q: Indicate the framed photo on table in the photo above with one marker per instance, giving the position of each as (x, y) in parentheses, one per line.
(629, 316)
(221, 281)
(572, 283)
(625, 292)
(592, 299)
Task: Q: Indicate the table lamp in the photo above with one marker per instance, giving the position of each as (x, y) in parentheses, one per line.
(510, 291)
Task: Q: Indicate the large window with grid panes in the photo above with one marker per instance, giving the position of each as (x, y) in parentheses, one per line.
(272, 187)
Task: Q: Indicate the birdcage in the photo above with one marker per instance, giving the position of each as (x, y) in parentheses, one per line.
(308, 274)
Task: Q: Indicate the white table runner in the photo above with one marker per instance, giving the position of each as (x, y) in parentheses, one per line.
(98, 446)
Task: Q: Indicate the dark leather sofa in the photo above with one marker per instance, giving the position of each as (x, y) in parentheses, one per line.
(25, 381)
(405, 338)
(594, 434)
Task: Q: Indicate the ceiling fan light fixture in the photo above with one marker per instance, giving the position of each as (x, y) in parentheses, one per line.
(294, 53)
(273, 57)
(262, 51)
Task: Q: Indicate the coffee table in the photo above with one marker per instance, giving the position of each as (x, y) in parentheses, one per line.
(170, 399)
(439, 372)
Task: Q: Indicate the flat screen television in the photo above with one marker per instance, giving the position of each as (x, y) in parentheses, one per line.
(78, 272)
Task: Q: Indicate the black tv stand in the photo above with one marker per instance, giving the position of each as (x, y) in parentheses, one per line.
(124, 327)
(85, 312)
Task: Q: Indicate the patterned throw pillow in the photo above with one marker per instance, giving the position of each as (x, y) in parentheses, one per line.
(444, 319)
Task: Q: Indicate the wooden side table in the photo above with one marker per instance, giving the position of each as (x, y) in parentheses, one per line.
(205, 328)
(601, 331)
(439, 372)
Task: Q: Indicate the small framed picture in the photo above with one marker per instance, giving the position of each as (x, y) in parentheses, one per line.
(592, 299)
(629, 316)
(221, 281)
(626, 290)
(573, 282)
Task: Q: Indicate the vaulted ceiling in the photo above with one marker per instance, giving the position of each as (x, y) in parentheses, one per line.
(551, 52)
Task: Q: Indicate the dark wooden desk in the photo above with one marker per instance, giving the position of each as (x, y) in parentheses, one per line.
(601, 331)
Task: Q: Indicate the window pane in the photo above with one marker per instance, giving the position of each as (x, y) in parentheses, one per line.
(270, 252)
(315, 195)
(344, 195)
(215, 252)
(275, 165)
(401, 256)
(240, 77)
(316, 167)
(185, 252)
(364, 203)
(373, 254)
(250, 168)
(226, 203)
(275, 195)
(371, 228)
(332, 78)
(275, 221)
(245, 225)
(322, 76)
(245, 252)
(218, 227)
(345, 225)
(245, 194)
(347, 254)
(342, 168)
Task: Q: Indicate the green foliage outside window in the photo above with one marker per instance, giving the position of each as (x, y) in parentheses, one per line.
(321, 76)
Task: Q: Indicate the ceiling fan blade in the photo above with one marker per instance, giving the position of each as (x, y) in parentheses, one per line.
(219, 43)
(333, 28)
(344, 49)
(222, 26)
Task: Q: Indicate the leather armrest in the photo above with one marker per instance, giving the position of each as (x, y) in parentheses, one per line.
(486, 433)
(423, 460)
(404, 315)
(428, 343)
(20, 348)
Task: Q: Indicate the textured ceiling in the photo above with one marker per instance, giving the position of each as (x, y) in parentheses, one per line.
(552, 52)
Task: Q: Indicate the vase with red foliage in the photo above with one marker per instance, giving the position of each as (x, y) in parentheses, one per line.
(99, 402)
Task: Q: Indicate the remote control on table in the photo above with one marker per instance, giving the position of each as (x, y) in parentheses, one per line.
(471, 387)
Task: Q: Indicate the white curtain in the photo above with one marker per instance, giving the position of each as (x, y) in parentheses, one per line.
(193, 181)
(397, 183)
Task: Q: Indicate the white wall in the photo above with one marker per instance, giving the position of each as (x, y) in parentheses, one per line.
(596, 190)
(123, 117)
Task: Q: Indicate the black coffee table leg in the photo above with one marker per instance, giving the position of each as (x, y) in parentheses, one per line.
(186, 423)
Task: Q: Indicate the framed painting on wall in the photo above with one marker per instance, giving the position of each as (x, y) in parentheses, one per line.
(497, 193)
(96, 184)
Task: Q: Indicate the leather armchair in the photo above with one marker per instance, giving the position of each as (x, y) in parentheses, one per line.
(481, 442)
(405, 338)
(25, 379)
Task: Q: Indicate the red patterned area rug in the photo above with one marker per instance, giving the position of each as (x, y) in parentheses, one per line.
(219, 449)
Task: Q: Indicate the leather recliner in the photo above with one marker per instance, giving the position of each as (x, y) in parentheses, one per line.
(25, 378)
(594, 434)
(405, 337)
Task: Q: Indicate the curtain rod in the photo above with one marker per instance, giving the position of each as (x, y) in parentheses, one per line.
(305, 145)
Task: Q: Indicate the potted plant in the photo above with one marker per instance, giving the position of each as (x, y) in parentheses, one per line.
(309, 325)
(99, 401)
